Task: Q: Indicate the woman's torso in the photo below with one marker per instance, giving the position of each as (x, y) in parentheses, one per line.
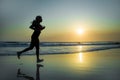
(37, 31)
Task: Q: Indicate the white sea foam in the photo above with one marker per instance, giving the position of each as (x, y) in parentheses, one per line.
(10, 48)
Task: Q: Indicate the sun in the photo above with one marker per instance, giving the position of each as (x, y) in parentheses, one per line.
(80, 31)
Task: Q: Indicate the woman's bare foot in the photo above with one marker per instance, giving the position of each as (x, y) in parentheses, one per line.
(40, 60)
(18, 55)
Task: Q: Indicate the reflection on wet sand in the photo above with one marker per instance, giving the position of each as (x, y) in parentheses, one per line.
(28, 77)
(99, 65)
(80, 55)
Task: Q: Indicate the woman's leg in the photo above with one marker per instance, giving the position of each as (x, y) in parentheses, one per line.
(26, 49)
(37, 51)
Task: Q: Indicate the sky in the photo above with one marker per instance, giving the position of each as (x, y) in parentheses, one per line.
(99, 20)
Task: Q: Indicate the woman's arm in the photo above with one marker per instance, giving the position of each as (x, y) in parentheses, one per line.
(32, 27)
(41, 28)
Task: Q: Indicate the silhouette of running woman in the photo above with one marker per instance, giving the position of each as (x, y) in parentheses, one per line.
(37, 27)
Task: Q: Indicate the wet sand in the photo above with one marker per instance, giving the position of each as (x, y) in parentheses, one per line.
(99, 65)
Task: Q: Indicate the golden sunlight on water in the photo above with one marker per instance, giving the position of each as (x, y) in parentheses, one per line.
(81, 57)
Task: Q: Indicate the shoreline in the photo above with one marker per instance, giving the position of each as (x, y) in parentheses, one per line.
(97, 65)
(88, 51)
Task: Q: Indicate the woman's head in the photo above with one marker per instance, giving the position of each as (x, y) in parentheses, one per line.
(39, 18)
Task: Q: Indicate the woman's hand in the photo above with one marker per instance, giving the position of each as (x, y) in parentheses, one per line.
(43, 27)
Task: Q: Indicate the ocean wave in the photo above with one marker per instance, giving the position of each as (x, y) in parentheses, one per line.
(60, 50)
(46, 44)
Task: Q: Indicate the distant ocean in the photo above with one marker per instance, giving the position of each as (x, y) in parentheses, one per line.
(10, 48)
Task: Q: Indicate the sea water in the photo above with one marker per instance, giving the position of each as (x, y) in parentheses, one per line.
(11, 48)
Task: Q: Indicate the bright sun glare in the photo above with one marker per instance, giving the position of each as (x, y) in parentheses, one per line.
(80, 31)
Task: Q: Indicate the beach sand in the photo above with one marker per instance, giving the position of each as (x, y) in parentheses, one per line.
(99, 65)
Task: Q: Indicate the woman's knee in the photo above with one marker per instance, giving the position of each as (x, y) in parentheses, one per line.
(30, 48)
